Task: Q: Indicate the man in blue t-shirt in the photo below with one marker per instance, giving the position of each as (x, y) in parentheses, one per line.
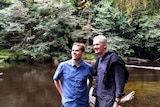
(73, 79)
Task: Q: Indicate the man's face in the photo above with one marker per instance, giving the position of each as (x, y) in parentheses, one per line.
(98, 46)
(76, 53)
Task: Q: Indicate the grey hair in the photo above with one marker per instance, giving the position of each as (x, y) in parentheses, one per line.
(102, 38)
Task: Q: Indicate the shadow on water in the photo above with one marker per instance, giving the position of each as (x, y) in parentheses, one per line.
(32, 86)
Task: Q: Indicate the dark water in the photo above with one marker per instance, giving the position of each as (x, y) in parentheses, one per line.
(32, 86)
(28, 86)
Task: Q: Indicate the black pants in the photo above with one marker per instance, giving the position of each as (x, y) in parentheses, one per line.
(103, 102)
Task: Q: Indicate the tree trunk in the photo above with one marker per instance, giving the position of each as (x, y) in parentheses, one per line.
(88, 29)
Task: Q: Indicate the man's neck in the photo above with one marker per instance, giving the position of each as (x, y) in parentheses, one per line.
(77, 62)
(101, 55)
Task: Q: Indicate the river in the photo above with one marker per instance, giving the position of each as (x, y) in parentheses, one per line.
(23, 85)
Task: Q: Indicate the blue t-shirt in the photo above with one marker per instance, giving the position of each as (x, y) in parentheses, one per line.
(74, 83)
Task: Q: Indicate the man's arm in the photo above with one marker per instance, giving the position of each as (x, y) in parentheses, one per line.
(119, 82)
(89, 84)
(58, 86)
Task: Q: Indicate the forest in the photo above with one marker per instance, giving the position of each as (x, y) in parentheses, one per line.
(44, 30)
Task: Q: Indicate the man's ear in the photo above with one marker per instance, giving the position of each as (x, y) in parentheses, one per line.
(105, 47)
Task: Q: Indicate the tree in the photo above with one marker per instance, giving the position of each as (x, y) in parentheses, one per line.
(146, 42)
(135, 7)
(113, 23)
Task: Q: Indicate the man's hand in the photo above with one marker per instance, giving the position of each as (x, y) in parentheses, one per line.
(115, 104)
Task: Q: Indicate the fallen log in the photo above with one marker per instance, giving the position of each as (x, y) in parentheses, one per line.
(126, 98)
(137, 59)
(144, 67)
(1, 73)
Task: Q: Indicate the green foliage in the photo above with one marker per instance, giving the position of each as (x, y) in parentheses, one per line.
(89, 57)
(72, 1)
(4, 3)
(45, 30)
(11, 24)
(148, 34)
(120, 45)
(114, 24)
(111, 21)
(7, 55)
(63, 57)
(41, 30)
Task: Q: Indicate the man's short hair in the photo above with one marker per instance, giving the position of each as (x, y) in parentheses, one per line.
(81, 45)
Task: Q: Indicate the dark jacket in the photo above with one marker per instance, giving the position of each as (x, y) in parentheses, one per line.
(113, 59)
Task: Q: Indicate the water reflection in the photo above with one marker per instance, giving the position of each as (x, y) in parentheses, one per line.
(146, 85)
(32, 86)
(26, 86)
